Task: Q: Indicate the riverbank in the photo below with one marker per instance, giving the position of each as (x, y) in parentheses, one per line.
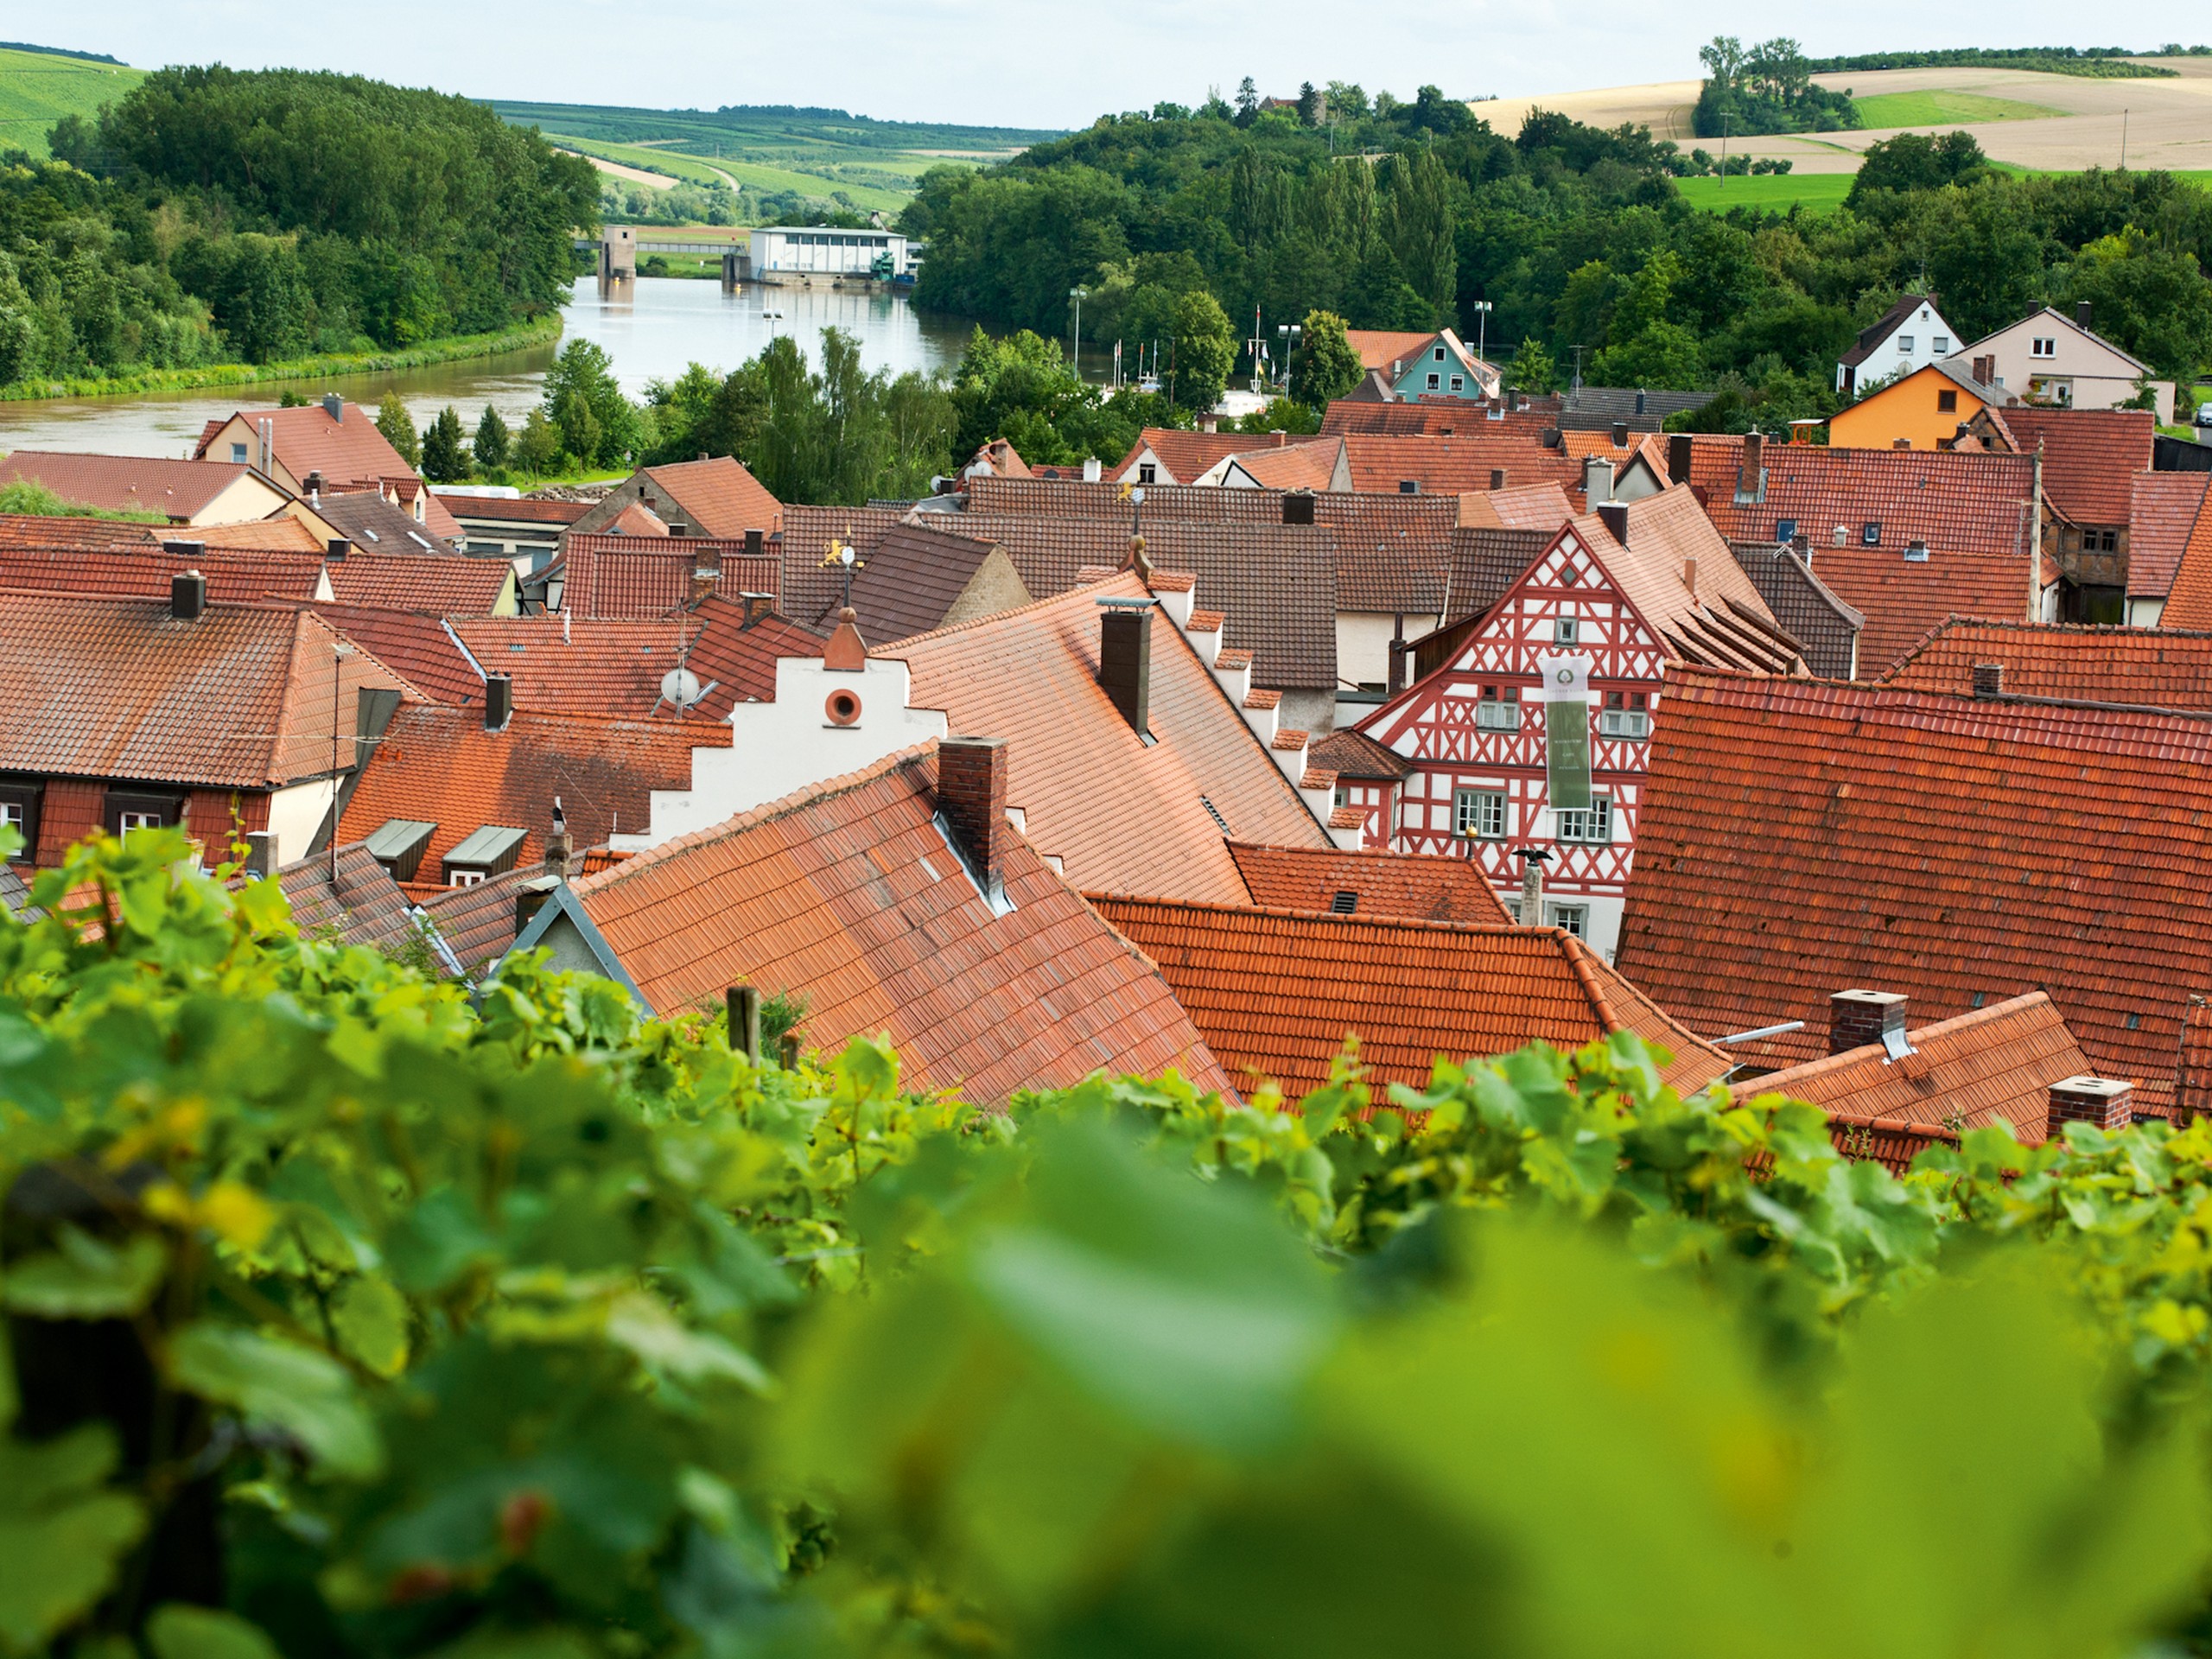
(328, 366)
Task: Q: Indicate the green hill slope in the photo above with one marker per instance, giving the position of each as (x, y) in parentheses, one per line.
(38, 88)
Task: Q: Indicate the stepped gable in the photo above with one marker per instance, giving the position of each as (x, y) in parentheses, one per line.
(2159, 668)
(1801, 836)
(1277, 992)
(2166, 512)
(851, 895)
(1402, 886)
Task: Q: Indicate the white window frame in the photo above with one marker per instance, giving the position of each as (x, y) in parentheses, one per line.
(1459, 382)
(1594, 826)
(1904, 345)
(1478, 814)
(1940, 344)
(1633, 724)
(1575, 918)
(1501, 713)
(2043, 345)
(237, 454)
(1435, 382)
(462, 876)
(1566, 630)
(126, 821)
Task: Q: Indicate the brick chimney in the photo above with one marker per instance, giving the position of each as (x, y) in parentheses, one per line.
(1985, 369)
(499, 701)
(2102, 1103)
(1988, 682)
(188, 596)
(2082, 315)
(1857, 1019)
(1614, 515)
(1125, 659)
(1678, 458)
(706, 573)
(971, 798)
(1689, 574)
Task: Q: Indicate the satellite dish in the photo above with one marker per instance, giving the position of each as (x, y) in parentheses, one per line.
(679, 686)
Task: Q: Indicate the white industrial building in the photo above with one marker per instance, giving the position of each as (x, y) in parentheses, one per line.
(818, 250)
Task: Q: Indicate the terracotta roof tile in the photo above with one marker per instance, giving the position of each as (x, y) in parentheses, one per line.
(2090, 456)
(363, 906)
(848, 894)
(283, 534)
(419, 648)
(723, 499)
(738, 660)
(810, 588)
(2193, 1081)
(1275, 992)
(438, 584)
(1802, 837)
(176, 489)
(1378, 348)
(1186, 455)
(1118, 813)
(346, 451)
(143, 570)
(2162, 668)
(478, 922)
(499, 509)
(2189, 604)
(2165, 510)
(616, 578)
(1436, 417)
(1530, 506)
(1290, 466)
(573, 665)
(375, 525)
(907, 584)
(1405, 887)
(1975, 512)
(1463, 462)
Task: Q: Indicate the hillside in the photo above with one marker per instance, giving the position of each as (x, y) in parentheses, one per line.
(37, 88)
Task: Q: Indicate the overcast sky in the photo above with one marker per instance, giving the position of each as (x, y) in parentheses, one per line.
(1027, 63)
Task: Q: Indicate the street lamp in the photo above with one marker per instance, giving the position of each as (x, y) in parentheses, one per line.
(771, 318)
(1289, 333)
(1482, 310)
(1076, 294)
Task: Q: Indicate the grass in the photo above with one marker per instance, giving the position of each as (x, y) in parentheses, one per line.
(653, 160)
(36, 90)
(1816, 193)
(1941, 108)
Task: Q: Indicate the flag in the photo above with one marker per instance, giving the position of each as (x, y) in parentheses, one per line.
(1566, 696)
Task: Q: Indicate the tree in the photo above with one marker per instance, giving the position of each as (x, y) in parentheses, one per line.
(1309, 106)
(445, 454)
(1205, 351)
(1247, 102)
(2150, 301)
(494, 445)
(1532, 369)
(581, 382)
(1917, 161)
(1324, 366)
(539, 445)
(398, 429)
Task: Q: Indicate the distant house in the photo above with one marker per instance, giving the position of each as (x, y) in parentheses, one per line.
(528, 533)
(714, 496)
(1167, 456)
(1909, 335)
(2169, 522)
(375, 524)
(2050, 357)
(188, 493)
(1425, 364)
(1925, 409)
(330, 445)
(2092, 460)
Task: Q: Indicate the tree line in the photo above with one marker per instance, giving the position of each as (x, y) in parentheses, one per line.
(220, 215)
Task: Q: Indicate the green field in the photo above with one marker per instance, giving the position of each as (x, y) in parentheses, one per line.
(37, 90)
(874, 164)
(1940, 108)
(1817, 193)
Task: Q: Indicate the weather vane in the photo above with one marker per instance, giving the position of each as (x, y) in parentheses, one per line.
(842, 553)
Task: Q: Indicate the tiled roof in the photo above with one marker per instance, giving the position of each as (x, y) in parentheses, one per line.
(2090, 456)
(1486, 562)
(176, 489)
(478, 922)
(374, 526)
(2166, 512)
(1975, 512)
(809, 587)
(723, 499)
(575, 665)
(2193, 1081)
(636, 519)
(1723, 620)
(633, 577)
(738, 661)
(2162, 668)
(1994, 1064)
(417, 648)
(39, 533)
(283, 534)
(1001, 460)
(440, 584)
(1405, 887)
(363, 905)
(1186, 455)
(143, 570)
(1292, 467)
(1890, 320)
(1351, 754)
(15, 895)
(1277, 992)
(1825, 628)
(348, 451)
(848, 895)
(439, 766)
(1528, 506)
(1463, 462)
(2189, 602)
(1276, 583)
(909, 580)
(506, 509)
(239, 698)
(1378, 348)
(1119, 814)
(1643, 409)
(1802, 837)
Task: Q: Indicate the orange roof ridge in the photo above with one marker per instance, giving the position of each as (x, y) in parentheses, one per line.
(1501, 930)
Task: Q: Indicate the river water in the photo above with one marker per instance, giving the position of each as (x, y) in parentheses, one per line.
(652, 328)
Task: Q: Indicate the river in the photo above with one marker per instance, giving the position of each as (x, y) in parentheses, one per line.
(652, 328)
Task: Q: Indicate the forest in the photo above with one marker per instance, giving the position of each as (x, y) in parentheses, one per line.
(215, 215)
(1576, 237)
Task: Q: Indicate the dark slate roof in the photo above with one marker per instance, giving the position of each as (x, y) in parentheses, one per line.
(1822, 624)
(1643, 409)
(1887, 324)
(908, 583)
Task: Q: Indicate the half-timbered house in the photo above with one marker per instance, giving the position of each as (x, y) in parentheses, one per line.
(1627, 588)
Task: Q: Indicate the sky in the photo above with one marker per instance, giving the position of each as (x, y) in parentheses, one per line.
(1026, 63)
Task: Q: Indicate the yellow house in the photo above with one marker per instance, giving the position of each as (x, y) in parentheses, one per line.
(1920, 410)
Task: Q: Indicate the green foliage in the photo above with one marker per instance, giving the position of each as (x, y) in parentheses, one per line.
(44, 91)
(445, 451)
(1323, 366)
(538, 447)
(1204, 351)
(596, 423)
(2151, 295)
(494, 444)
(398, 428)
(2101, 62)
(1766, 87)
(29, 497)
(1917, 161)
(1533, 368)
(1021, 389)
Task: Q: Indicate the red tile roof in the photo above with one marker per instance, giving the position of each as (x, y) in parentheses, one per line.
(40, 533)
(910, 581)
(2090, 456)
(363, 905)
(1119, 814)
(1405, 887)
(1186, 455)
(176, 489)
(1292, 467)
(440, 584)
(2166, 511)
(507, 509)
(1413, 417)
(1530, 506)
(2189, 603)
(280, 535)
(1463, 462)
(810, 588)
(2162, 668)
(633, 577)
(240, 698)
(1801, 837)
(1277, 992)
(376, 526)
(439, 766)
(722, 499)
(1351, 754)
(848, 894)
(572, 665)
(1991, 1064)
(143, 570)
(346, 452)
(2193, 1081)
(1378, 348)
(1975, 511)
(737, 659)
(1722, 620)
(418, 648)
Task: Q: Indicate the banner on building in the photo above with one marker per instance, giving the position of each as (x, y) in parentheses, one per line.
(1566, 697)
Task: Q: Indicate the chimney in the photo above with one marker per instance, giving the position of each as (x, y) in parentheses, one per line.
(1614, 515)
(188, 596)
(1497, 478)
(334, 406)
(531, 896)
(261, 854)
(1984, 368)
(1802, 545)
(1398, 651)
(268, 430)
(1532, 886)
(336, 549)
(755, 606)
(1298, 507)
(1125, 659)
(499, 701)
(971, 795)
(1678, 458)
(1689, 575)
(1988, 682)
(2102, 1103)
(1620, 434)
(2082, 315)
(1754, 453)
(1207, 424)
(558, 845)
(314, 484)
(1857, 1019)
(1597, 480)
(1553, 438)
(1639, 403)
(181, 550)
(1093, 469)
(706, 573)
(753, 540)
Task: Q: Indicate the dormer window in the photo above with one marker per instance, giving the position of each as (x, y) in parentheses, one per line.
(490, 851)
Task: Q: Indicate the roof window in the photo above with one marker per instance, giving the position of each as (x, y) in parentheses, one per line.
(1916, 551)
(1872, 534)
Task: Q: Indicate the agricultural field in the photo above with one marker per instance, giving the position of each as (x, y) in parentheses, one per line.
(1939, 108)
(1816, 193)
(38, 88)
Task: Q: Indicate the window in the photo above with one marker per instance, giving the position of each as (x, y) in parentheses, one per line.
(1626, 713)
(237, 454)
(1459, 382)
(1499, 709)
(1596, 824)
(2044, 347)
(1439, 354)
(1575, 918)
(1785, 529)
(457, 878)
(1147, 473)
(1941, 345)
(1479, 813)
(126, 809)
(2107, 541)
(126, 821)
(1435, 381)
(1870, 534)
(19, 812)
(1565, 631)
(1947, 402)
(1904, 345)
